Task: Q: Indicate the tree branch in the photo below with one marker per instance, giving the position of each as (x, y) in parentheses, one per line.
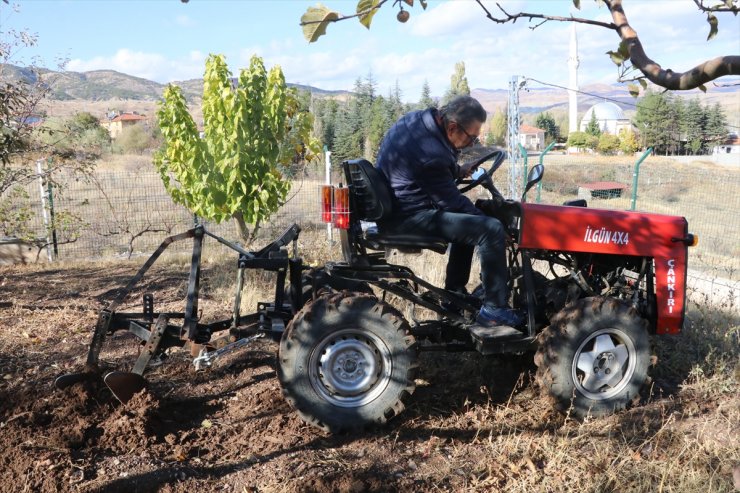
(513, 18)
(666, 78)
(344, 17)
(717, 8)
(692, 78)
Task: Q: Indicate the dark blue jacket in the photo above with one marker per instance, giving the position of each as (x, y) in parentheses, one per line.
(421, 166)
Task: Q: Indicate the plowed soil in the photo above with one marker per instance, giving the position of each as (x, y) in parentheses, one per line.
(473, 424)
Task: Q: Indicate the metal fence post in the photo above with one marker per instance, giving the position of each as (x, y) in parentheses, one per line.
(635, 176)
(524, 154)
(542, 159)
(327, 161)
(50, 192)
(42, 195)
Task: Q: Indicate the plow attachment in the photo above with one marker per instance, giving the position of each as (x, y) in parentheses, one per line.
(158, 331)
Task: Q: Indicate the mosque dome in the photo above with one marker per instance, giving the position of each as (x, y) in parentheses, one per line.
(604, 111)
(609, 116)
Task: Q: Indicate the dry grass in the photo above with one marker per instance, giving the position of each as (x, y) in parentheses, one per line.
(684, 437)
(478, 424)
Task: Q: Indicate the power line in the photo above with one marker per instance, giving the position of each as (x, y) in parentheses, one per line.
(603, 97)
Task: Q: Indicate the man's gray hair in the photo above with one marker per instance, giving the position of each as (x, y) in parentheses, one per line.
(463, 110)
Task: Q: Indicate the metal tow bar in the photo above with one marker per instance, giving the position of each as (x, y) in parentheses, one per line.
(206, 358)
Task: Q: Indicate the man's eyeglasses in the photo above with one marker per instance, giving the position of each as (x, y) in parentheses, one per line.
(472, 139)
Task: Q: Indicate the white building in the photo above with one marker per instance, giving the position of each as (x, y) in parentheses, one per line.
(532, 138)
(609, 116)
(729, 146)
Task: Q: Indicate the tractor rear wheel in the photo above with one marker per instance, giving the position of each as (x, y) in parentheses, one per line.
(594, 357)
(347, 361)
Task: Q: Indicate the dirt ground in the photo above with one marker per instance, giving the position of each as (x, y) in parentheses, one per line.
(473, 424)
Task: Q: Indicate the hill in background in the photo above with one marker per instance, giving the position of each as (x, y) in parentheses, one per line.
(99, 90)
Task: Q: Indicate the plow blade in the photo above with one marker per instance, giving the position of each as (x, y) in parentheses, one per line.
(124, 385)
(64, 381)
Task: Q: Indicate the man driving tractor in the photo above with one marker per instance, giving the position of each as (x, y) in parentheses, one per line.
(418, 156)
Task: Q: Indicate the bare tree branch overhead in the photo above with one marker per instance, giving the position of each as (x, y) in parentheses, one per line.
(629, 56)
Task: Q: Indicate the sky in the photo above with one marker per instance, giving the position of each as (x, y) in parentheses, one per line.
(167, 40)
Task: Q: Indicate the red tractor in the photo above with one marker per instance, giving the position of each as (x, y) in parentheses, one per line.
(594, 284)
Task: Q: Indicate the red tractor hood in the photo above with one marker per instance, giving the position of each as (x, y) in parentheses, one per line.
(582, 229)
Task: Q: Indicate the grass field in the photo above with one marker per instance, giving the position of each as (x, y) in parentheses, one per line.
(125, 209)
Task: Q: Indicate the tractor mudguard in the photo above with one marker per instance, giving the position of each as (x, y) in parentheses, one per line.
(614, 232)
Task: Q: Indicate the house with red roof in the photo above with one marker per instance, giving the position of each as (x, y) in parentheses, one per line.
(532, 138)
(117, 123)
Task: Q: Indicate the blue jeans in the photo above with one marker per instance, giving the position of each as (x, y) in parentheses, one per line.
(464, 232)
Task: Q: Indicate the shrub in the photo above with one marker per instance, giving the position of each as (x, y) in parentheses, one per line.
(133, 139)
(608, 144)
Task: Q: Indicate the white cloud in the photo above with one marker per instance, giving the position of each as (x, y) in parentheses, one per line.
(321, 69)
(449, 18)
(447, 32)
(183, 20)
(152, 66)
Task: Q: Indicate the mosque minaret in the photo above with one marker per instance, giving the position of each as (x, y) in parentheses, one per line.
(573, 82)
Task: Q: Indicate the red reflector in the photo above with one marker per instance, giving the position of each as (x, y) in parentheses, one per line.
(326, 199)
(340, 208)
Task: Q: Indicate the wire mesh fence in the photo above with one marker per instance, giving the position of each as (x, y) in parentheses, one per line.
(124, 213)
(708, 196)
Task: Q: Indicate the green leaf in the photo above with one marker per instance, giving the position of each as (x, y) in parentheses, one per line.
(643, 83)
(577, 4)
(713, 26)
(703, 88)
(319, 17)
(634, 90)
(368, 7)
(623, 50)
(616, 57)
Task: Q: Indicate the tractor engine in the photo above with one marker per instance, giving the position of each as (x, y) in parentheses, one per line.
(563, 277)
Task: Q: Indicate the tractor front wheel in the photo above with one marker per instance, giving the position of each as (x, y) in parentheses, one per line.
(593, 358)
(347, 361)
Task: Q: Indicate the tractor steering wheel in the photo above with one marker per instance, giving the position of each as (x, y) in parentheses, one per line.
(485, 177)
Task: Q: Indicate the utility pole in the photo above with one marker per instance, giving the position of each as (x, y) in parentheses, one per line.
(512, 139)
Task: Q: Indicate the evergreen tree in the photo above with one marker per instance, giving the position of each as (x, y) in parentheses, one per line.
(381, 120)
(426, 100)
(546, 122)
(716, 127)
(692, 126)
(652, 119)
(593, 126)
(396, 106)
(349, 138)
(674, 125)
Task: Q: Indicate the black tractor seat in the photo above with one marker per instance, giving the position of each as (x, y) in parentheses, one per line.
(372, 201)
(380, 241)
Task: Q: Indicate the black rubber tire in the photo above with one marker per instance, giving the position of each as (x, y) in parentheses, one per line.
(607, 338)
(325, 351)
(321, 282)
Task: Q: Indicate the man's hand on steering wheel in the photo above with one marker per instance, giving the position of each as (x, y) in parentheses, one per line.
(466, 170)
(484, 177)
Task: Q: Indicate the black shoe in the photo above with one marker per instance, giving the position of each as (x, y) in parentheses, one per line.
(497, 323)
(493, 317)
